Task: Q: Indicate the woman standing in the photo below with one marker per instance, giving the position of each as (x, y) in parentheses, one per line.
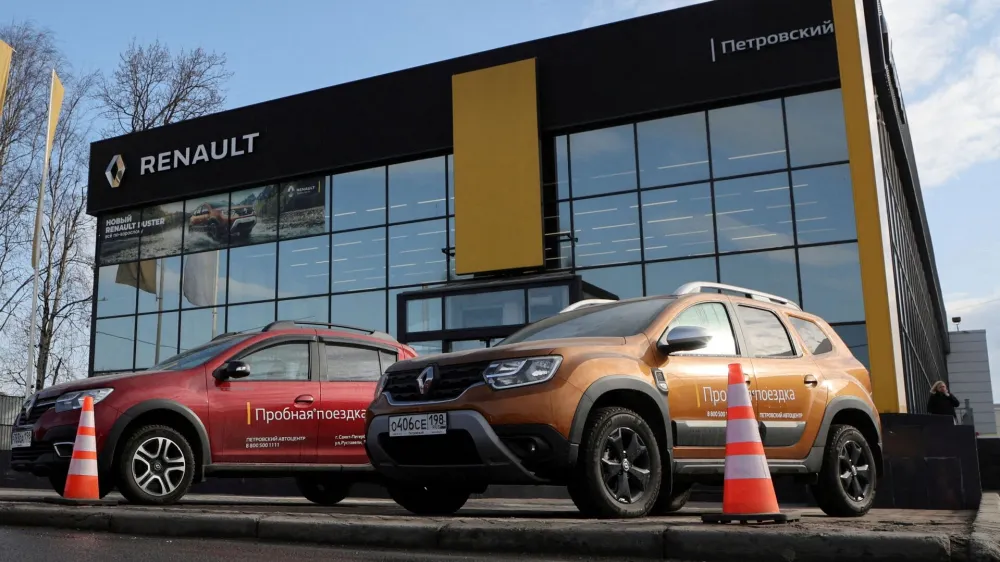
(941, 401)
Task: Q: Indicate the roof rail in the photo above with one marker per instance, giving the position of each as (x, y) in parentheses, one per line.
(225, 335)
(288, 324)
(697, 286)
(585, 303)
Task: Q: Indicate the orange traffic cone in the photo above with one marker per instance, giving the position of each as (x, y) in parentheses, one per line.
(81, 484)
(747, 493)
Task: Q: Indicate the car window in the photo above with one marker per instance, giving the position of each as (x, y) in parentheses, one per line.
(387, 359)
(346, 363)
(817, 342)
(713, 317)
(282, 362)
(616, 320)
(198, 355)
(766, 335)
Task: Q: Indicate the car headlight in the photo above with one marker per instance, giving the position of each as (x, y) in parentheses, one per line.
(380, 386)
(512, 373)
(74, 400)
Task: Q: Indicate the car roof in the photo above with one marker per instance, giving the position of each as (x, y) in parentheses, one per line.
(288, 327)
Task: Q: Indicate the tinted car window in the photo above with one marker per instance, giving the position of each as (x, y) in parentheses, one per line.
(387, 359)
(198, 355)
(352, 364)
(617, 320)
(713, 317)
(765, 334)
(283, 362)
(816, 341)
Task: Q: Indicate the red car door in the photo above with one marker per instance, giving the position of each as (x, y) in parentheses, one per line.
(270, 415)
(351, 371)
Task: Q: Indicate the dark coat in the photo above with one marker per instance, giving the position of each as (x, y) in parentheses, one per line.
(941, 404)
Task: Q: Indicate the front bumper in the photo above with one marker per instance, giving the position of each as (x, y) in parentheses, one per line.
(471, 452)
(243, 223)
(49, 454)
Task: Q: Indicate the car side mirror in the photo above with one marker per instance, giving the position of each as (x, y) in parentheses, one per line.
(232, 370)
(684, 338)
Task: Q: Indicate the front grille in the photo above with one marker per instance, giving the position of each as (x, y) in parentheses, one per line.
(30, 454)
(453, 448)
(40, 408)
(449, 383)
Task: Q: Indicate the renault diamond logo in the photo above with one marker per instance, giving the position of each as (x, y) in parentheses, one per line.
(115, 171)
(425, 380)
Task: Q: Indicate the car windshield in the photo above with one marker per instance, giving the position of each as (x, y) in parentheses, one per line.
(616, 320)
(198, 355)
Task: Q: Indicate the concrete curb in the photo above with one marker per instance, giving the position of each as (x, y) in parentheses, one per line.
(631, 540)
(984, 544)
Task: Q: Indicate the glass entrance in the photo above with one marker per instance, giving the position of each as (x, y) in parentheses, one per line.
(477, 315)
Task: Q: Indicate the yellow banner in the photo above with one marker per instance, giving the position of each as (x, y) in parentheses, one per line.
(6, 55)
(55, 105)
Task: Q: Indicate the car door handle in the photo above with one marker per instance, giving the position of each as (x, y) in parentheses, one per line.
(305, 399)
(810, 380)
(746, 378)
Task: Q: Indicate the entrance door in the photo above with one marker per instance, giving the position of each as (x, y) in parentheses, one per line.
(788, 383)
(267, 417)
(699, 382)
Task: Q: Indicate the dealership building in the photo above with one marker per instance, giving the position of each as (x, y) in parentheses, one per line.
(757, 143)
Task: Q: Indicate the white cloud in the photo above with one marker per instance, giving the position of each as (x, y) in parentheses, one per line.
(949, 66)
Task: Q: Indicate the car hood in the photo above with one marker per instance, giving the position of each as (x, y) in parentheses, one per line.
(92, 382)
(509, 351)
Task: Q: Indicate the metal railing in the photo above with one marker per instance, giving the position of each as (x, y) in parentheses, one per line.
(10, 408)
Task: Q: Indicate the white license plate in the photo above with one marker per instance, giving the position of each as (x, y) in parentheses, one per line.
(20, 439)
(418, 424)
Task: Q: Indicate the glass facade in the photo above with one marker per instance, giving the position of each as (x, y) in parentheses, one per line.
(335, 248)
(756, 194)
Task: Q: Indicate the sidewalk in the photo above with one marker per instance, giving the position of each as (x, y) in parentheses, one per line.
(538, 527)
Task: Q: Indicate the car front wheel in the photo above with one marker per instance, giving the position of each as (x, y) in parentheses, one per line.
(618, 473)
(156, 466)
(846, 486)
(323, 489)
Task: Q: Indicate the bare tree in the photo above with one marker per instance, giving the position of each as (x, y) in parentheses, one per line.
(66, 262)
(152, 87)
(22, 142)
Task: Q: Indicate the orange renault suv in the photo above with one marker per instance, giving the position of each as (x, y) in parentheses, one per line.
(624, 402)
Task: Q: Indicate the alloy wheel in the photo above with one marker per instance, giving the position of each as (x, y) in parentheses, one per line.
(855, 471)
(625, 465)
(158, 466)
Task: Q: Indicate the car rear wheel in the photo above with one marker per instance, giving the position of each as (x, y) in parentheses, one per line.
(323, 489)
(846, 486)
(156, 466)
(618, 472)
(428, 500)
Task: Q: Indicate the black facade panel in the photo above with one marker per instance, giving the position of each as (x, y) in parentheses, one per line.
(621, 70)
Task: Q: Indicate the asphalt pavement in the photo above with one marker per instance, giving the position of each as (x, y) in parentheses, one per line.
(45, 545)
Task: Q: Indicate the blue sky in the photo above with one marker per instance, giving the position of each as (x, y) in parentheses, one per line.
(948, 53)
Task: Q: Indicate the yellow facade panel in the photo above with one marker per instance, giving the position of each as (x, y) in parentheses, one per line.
(870, 211)
(498, 198)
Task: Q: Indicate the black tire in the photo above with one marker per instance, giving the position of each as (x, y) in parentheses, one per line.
(58, 481)
(323, 489)
(846, 486)
(428, 500)
(608, 443)
(674, 501)
(162, 472)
